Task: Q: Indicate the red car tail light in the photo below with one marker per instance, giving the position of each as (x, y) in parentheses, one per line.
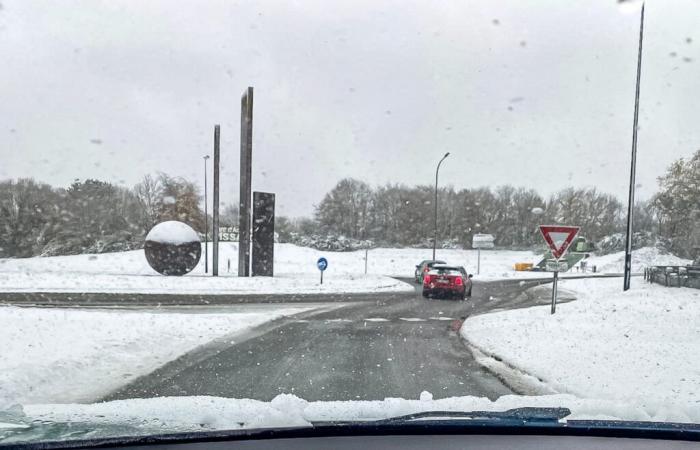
(458, 281)
(426, 279)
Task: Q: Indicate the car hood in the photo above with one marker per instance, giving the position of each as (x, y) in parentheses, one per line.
(164, 415)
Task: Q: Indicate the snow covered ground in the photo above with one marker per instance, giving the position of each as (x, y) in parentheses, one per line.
(129, 272)
(71, 355)
(637, 348)
(644, 257)
(295, 272)
(179, 414)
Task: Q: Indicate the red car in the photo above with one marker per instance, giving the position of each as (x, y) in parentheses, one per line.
(448, 281)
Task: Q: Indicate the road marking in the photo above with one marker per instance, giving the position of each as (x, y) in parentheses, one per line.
(376, 319)
(442, 318)
(411, 319)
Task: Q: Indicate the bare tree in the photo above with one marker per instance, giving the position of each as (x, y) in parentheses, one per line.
(150, 195)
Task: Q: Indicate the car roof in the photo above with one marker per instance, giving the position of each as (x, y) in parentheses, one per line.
(434, 261)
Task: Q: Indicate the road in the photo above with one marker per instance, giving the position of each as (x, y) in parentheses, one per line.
(395, 346)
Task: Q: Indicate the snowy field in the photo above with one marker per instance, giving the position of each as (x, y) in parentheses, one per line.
(295, 272)
(639, 347)
(173, 414)
(71, 355)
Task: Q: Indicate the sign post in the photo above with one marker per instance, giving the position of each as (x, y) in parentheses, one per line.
(322, 265)
(366, 255)
(480, 241)
(554, 292)
(558, 239)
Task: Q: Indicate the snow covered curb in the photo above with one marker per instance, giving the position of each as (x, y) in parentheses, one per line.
(638, 347)
(71, 355)
(179, 414)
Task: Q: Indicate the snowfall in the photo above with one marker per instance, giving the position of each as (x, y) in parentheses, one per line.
(607, 354)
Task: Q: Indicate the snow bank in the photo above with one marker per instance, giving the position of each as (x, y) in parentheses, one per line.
(172, 232)
(178, 414)
(639, 347)
(644, 257)
(70, 355)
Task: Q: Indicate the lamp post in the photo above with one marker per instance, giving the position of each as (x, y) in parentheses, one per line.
(206, 220)
(436, 203)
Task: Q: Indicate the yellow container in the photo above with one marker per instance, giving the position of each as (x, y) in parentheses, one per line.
(523, 267)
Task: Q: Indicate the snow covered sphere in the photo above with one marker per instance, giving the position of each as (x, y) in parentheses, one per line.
(537, 211)
(172, 248)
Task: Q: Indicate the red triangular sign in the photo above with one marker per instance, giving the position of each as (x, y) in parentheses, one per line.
(558, 238)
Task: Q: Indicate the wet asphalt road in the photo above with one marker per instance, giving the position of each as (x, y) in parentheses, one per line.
(388, 346)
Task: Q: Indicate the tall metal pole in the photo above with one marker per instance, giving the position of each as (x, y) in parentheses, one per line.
(206, 220)
(478, 261)
(554, 291)
(436, 203)
(633, 168)
(244, 209)
(215, 206)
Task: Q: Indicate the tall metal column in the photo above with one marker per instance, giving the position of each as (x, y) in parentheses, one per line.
(246, 183)
(633, 168)
(206, 219)
(215, 206)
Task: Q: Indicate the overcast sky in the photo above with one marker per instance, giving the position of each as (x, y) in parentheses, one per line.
(533, 93)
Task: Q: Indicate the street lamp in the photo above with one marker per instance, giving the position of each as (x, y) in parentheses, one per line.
(206, 225)
(436, 202)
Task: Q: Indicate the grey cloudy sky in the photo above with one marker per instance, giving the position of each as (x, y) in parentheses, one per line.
(534, 93)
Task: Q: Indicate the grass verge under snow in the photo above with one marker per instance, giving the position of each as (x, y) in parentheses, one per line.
(638, 348)
(70, 355)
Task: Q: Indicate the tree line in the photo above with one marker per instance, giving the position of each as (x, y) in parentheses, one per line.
(90, 216)
(93, 216)
(404, 215)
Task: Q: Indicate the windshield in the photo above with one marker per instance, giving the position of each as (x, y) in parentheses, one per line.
(223, 215)
(446, 271)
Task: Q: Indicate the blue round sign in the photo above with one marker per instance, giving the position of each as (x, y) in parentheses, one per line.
(322, 264)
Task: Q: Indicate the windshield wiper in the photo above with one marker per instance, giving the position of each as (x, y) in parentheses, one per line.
(527, 414)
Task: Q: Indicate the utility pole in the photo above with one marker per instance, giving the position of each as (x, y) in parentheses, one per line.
(206, 220)
(633, 168)
(436, 203)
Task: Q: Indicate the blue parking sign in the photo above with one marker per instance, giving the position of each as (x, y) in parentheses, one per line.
(322, 264)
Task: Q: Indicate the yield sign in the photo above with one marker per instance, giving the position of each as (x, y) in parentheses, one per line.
(558, 238)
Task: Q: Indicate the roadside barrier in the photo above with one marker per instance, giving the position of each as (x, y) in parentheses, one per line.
(674, 276)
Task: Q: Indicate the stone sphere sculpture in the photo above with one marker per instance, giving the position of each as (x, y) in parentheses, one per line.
(172, 248)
